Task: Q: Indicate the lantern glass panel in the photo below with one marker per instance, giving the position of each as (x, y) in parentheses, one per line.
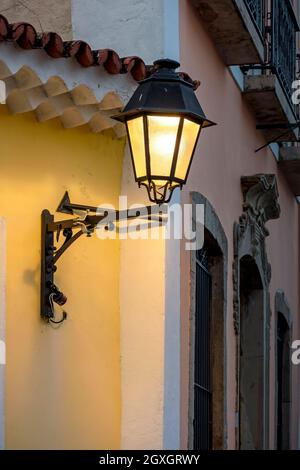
(137, 141)
(188, 140)
(162, 132)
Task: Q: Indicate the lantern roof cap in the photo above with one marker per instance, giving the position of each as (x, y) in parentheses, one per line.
(166, 63)
(164, 92)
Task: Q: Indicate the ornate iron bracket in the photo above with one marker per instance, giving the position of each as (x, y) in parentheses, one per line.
(71, 230)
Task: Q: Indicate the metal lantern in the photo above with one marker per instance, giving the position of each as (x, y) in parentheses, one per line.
(163, 121)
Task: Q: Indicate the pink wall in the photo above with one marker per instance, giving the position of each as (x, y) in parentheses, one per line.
(225, 153)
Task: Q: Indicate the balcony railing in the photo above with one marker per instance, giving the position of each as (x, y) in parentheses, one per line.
(283, 43)
(256, 9)
(279, 27)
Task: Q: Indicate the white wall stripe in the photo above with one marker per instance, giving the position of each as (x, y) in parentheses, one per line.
(2, 323)
(172, 275)
(171, 29)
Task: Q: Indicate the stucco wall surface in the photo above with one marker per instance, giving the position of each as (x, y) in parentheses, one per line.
(62, 384)
(225, 153)
(50, 15)
(131, 27)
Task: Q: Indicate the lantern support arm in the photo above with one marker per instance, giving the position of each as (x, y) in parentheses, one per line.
(72, 230)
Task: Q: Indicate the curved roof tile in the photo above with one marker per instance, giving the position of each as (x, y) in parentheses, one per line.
(25, 35)
(76, 106)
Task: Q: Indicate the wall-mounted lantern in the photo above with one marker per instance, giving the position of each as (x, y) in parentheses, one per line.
(163, 121)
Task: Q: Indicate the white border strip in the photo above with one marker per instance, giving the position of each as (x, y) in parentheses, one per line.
(2, 321)
(237, 75)
(171, 431)
(171, 30)
(172, 382)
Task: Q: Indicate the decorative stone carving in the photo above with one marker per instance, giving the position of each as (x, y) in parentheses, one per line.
(260, 201)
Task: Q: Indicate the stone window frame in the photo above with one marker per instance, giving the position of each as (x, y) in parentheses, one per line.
(215, 231)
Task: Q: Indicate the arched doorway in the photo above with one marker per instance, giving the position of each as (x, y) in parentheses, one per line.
(251, 310)
(251, 416)
(207, 419)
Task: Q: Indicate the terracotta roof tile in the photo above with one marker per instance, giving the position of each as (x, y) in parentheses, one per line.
(25, 35)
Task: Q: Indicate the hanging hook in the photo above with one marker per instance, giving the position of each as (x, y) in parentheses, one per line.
(64, 317)
(58, 297)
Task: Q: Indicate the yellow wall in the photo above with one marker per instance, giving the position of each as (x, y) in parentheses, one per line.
(62, 384)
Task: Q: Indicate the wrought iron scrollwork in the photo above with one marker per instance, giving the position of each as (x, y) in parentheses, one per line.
(277, 25)
(283, 43)
(71, 230)
(256, 10)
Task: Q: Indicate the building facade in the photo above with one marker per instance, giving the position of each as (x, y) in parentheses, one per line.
(163, 347)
